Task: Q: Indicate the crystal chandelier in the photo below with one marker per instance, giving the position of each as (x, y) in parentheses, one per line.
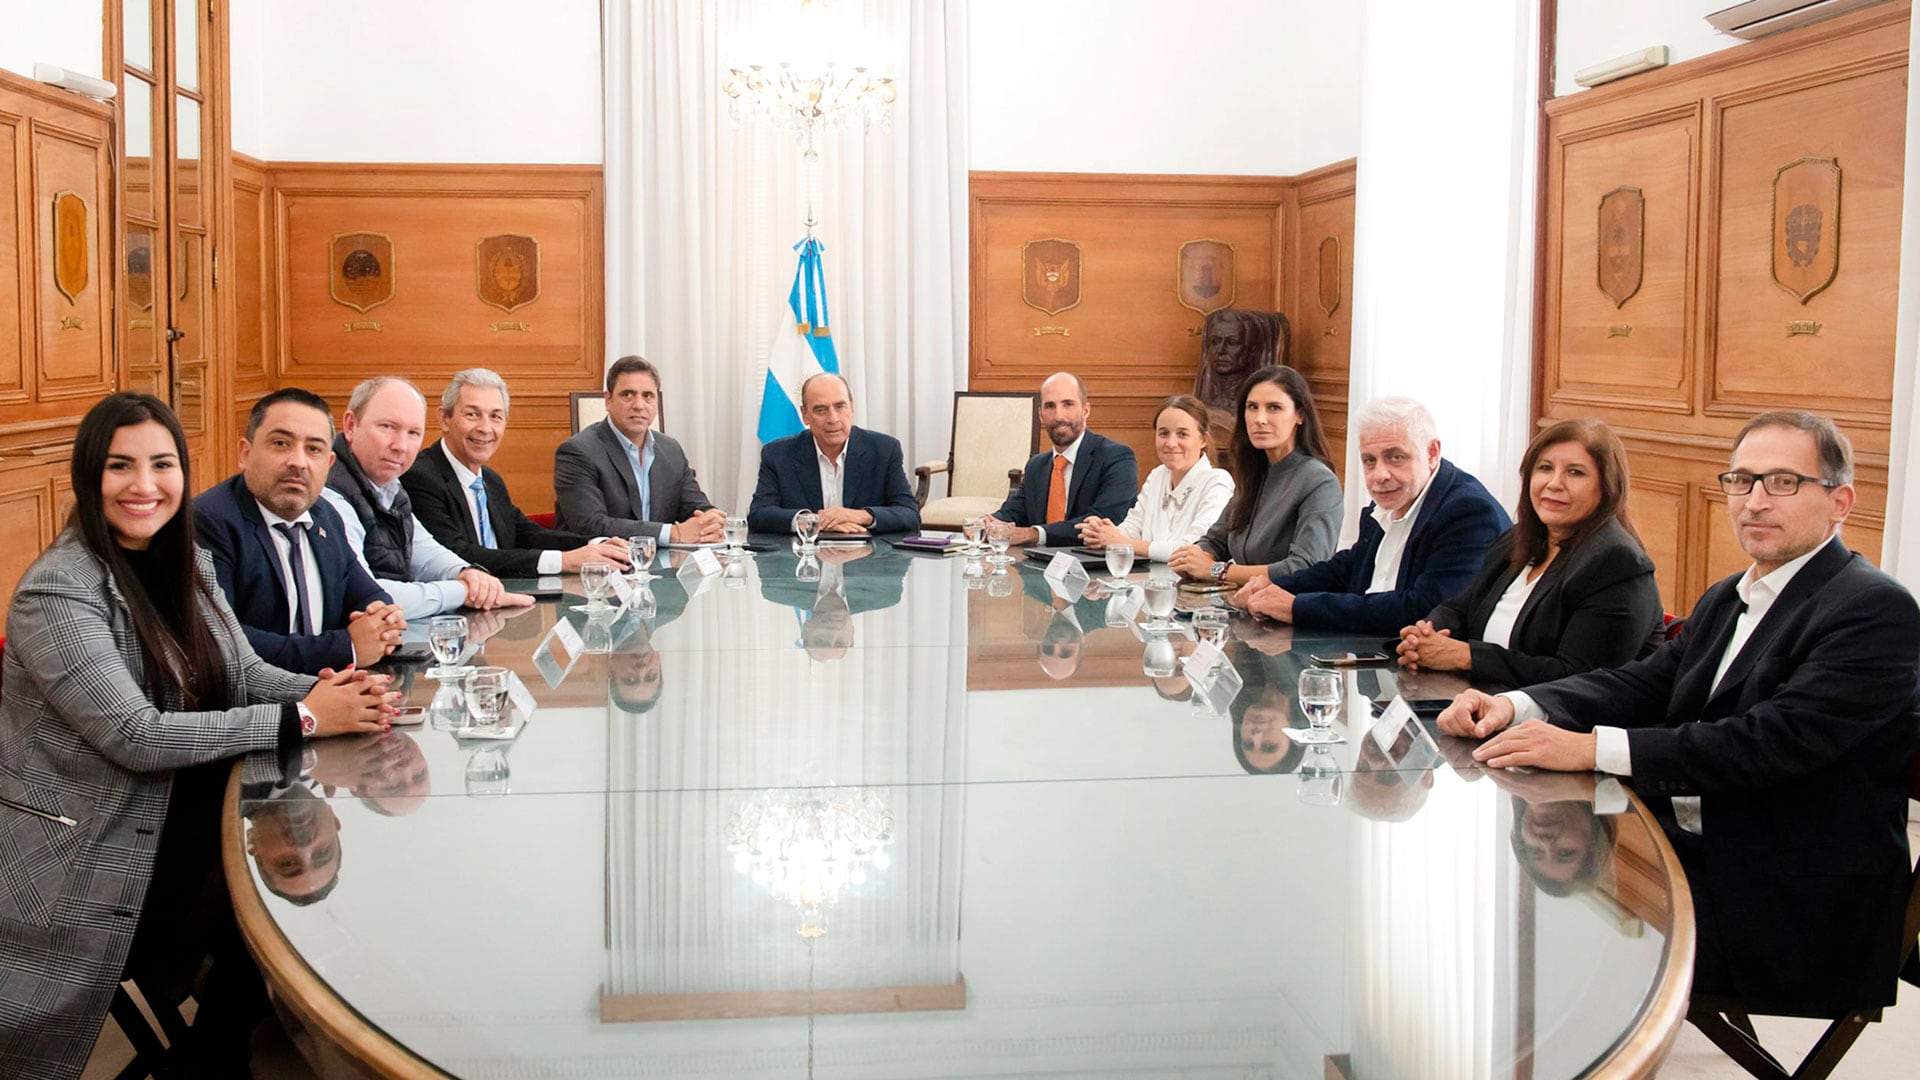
(803, 86)
(808, 846)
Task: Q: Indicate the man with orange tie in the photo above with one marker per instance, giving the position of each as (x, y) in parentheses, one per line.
(1084, 474)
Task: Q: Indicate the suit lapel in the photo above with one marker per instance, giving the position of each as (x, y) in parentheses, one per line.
(262, 536)
(1810, 580)
(1089, 449)
(436, 456)
(853, 474)
(809, 456)
(617, 454)
(504, 534)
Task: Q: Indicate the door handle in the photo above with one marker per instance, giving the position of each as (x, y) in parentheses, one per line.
(174, 334)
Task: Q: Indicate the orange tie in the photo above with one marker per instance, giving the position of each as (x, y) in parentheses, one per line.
(1057, 490)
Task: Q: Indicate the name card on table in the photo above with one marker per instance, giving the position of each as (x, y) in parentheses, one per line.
(622, 588)
(556, 654)
(519, 696)
(702, 563)
(1401, 737)
(1214, 680)
(1122, 607)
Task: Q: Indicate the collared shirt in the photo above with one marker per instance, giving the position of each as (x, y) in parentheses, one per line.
(833, 474)
(1393, 545)
(640, 460)
(549, 560)
(1612, 753)
(1506, 610)
(308, 562)
(434, 587)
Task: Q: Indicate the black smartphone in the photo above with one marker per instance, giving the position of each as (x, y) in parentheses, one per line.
(411, 652)
(1349, 659)
(1428, 706)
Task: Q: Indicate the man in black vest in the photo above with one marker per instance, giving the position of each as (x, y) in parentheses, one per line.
(379, 438)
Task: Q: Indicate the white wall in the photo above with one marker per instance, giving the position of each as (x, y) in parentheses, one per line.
(1590, 31)
(1260, 87)
(418, 80)
(64, 32)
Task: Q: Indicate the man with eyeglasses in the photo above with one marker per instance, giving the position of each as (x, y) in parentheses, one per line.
(1774, 737)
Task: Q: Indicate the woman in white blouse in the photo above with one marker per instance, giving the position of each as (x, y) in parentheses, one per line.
(1183, 495)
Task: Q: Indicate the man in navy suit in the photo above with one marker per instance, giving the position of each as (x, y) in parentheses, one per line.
(1084, 475)
(853, 477)
(1773, 738)
(1421, 541)
(281, 553)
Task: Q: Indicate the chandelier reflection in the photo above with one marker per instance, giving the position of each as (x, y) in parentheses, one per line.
(802, 86)
(808, 846)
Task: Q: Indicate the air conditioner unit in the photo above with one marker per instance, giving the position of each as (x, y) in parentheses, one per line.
(1758, 18)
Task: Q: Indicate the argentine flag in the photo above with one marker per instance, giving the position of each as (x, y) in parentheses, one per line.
(800, 349)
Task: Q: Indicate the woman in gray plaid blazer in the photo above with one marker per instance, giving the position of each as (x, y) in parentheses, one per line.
(123, 666)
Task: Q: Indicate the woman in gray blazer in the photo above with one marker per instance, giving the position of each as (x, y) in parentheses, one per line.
(1285, 511)
(126, 677)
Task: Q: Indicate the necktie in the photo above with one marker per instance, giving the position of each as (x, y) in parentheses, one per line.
(479, 489)
(297, 563)
(1057, 490)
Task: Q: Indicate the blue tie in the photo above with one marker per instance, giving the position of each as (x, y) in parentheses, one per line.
(297, 563)
(479, 488)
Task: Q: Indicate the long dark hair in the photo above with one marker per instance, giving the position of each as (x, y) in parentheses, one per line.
(1250, 462)
(1609, 460)
(182, 660)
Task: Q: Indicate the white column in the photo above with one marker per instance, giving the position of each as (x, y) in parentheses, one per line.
(1900, 551)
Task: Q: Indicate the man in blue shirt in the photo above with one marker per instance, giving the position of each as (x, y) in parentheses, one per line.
(622, 478)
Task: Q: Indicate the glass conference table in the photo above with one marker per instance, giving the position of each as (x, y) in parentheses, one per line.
(893, 815)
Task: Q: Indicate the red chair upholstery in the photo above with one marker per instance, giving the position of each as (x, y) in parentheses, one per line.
(545, 520)
(1672, 623)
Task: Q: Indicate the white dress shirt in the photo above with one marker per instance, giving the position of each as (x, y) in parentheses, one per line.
(1169, 519)
(1506, 610)
(434, 588)
(1611, 751)
(833, 474)
(308, 562)
(1393, 545)
(549, 560)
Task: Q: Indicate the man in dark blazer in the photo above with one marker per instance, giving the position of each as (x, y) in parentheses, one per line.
(321, 609)
(621, 478)
(854, 478)
(465, 504)
(1422, 539)
(1773, 737)
(1084, 474)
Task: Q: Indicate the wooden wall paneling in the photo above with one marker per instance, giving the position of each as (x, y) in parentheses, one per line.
(249, 287)
(1729, 342)
(435, 323)
(26, 521)
(75, 354)
(16, 325)
(1323, 341)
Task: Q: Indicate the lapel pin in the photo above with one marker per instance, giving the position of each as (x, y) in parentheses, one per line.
(323, 532)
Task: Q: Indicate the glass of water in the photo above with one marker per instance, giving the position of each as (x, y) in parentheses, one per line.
(1320, 778)
(488, 774)
(486, 693)
(1160, 594)
(1320, 695)
(1160, 659)
(975, 530)
(806, 526)
(1119, 564)
(1210, 626)
(593, 579)
(734, 530)
(447, 637)
(641, 549)
(999, 539)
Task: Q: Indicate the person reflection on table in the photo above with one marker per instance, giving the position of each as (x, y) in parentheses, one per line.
(635, 677)
(1380, 790)
(294, 838)
(826, 607)
(387, 772)
(1263, 711)
(1061, 644)
(1562, 846)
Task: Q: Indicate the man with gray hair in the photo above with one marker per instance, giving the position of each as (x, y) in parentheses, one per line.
(1421, 540)
(464, 503)
(379, 438)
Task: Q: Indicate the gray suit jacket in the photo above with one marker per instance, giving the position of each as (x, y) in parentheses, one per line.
(1296, 520)
(594, 492)
(79, 739)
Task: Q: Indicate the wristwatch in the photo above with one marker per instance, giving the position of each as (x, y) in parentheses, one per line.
(1219, 571)
(308, 722)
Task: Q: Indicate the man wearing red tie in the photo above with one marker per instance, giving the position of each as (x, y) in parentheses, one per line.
(1083, 475)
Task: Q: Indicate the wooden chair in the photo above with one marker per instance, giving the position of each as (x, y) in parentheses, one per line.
(994, 433)
(1728, 1023)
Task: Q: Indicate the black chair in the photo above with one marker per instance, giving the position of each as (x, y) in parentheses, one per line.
(151, 1057)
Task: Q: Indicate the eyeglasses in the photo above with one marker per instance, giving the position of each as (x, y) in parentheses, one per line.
(1779, 484)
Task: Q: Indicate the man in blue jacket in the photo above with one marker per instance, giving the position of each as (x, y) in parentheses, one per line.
(855, 479)
(1421, 540)
(1083, 475)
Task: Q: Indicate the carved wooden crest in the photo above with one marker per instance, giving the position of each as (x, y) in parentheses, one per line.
(1329, 274)
(508, 270)
(1050, 275)
(1806, 226)
(1621, 243)
(1204, 280)
(70, 256)
(140, 268)
(360, 272)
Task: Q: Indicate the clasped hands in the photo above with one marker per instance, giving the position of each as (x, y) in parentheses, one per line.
(352, 701)
(704, 527)
(1098, 533)
(375, 632)
(845, 519)
(484, 591)
(1421, 646)
(1537, 744)
(1260, 596)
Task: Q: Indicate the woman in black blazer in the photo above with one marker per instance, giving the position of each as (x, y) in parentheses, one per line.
(1567, 589)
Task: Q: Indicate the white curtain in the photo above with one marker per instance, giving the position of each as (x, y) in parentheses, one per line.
(1444, 226)
(702, 215)
(1900, 550)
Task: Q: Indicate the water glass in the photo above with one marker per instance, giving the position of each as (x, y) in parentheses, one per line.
(975, 530)
(447, 637)
(806, 526)
(1160, 660)
(734, 529)
(593, 578)
(1320, 696)
(807, 569)
(1119, 564)
(999, 539)
(1320, 778)
(1000, 583)
(488, 772)
(643, 604)
(1210, 626)
(640, 550)
(448, 711)
(485, 689)
(1160, 594)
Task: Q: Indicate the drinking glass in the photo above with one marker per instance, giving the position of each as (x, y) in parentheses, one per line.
(1160, 593)
(596, 637)
(449, 707)
(735, 575)
(735, 532)
(1210, 626)
(975, 530)
(488, 772)
(1320, 694)
(1160, 659)
(643, 604)
(807, 569)
(447, 637)
(806, 526)
(1320, 778)
(640, 549)
(486, 693)
(999, 538)
(1000, 584)
(1119, 564)
(593, 578)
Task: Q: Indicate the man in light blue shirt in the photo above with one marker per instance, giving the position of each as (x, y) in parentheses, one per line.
(380, 436)
(622, 478)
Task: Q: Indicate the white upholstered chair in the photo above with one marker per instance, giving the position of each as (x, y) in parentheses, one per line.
(994, 434)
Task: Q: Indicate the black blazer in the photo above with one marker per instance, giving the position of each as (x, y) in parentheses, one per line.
(1106, 480)
(228, 522)
(594, 493)
(1802, 759)
(1596, 606)
(875, 481)
(440, 504)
